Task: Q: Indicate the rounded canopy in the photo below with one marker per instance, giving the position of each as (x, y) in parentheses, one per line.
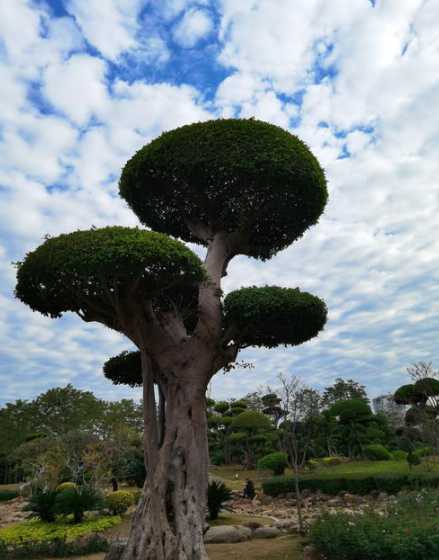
(71, 271)
(125, 369)
(271, 316)
(230, 175)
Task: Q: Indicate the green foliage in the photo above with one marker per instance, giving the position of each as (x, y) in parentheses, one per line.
(68, 272)
(343, 390)
(423, 452)
(6, 495)
(413, 459)
(377, 452)
(125, 368)
(39, 531)
(406, 394)
(251, 421)
(42, 504)
(427, 386)
(217, 494)
(352, 484)
(351, 410)
(118, 502)
(399, 455)
(333, 460)
(66, 486)
(270, 316)
(76, 501)
(276, 462)
(230, 175)
(408, 531)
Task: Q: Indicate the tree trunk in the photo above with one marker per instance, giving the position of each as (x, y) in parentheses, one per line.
(170, 518)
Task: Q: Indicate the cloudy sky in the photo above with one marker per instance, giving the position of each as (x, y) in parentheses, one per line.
(85, 83)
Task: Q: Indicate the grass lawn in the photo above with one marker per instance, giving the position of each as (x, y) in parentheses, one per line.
(352, 469)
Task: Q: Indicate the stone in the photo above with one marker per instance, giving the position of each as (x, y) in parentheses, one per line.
(245, 532)
(223, 534)
(285, 523)
(266, 533)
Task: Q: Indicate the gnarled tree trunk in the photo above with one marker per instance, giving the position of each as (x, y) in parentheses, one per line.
(170, 518)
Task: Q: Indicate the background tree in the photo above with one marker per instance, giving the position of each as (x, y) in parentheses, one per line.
(343, 390)
(353, 418)
(252, 435)
(236, 187)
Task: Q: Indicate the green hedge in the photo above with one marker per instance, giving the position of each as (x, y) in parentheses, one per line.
(354, 485)
(6, 495)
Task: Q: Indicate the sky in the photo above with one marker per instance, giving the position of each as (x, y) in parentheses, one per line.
(86, 83)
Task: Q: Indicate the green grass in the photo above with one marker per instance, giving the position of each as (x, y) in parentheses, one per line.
(39, 531)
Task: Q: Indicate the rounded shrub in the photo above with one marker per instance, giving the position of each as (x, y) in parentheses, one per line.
(65, 486)
(118, 502)
(377, 452)
(399, 455)
(333, 461)
(275, 462)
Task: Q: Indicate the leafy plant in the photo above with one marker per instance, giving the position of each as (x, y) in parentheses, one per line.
(217, 494)
(276, 462)
(76, 501)
(6, 495)
(65, 486)
(42, 504)
(377, 452)
(118, 502)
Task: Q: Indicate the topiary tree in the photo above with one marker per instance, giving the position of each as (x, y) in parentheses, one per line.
(276, 462)
(238, 187)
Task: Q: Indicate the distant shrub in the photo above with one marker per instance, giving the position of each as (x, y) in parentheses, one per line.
(312, 464)
(6, 495)
(352, 484)
(118, 502)
(423, 452)
(65, 486)
(377, 452)
(413, 459)
(399, 455)
(275, 462)
(217, 494)
(42, 504)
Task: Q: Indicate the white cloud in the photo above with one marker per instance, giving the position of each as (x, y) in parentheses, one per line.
(194, 25)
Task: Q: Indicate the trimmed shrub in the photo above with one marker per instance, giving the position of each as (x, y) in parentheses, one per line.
(6, 495)
(65, 486)
(217, 494)
(275, 462)
(42, 505)
(423, 452)
(377, 452)
(118, 502)
(399, 455)
(354, 485)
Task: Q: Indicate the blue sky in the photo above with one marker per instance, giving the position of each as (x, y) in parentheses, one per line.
(85, 83)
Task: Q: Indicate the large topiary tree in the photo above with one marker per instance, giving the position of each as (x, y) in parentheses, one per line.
(238, 187)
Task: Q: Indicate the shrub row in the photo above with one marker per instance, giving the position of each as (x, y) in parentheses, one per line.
(354, 485)
(6, 495)
(373, 537)
(57, 548)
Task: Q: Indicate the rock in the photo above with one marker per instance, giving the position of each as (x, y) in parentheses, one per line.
(285, 523)
(223, 534)
(266, 533)
(310, 553)
(116, 549)
(245, 532)
(25, 489)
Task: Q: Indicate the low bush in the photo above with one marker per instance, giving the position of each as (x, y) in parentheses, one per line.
(354, 484)
(76, 501)
(58, 548)
(118, 502)
(423, 452)
(42, 504)
(276, 462)
(399, 455)
(65, 486)
(377, 452)
(36, 531)
(6, 495)
(370, 536)
(217, 494)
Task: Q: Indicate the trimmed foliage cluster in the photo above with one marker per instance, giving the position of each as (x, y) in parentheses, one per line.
(377, 452)
(408, 531)
(354, 485)
(270, 316)
(276, 462)
(118, 502)
(125, 369)
(67, 271)
(231, 175)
